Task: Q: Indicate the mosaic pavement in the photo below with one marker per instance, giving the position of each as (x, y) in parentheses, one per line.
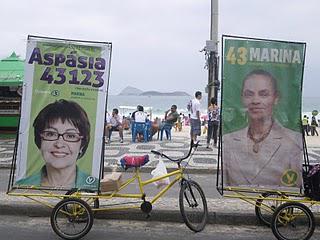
(114, 151)
(203, 158)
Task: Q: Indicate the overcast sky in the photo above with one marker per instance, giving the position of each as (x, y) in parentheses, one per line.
(156, 43)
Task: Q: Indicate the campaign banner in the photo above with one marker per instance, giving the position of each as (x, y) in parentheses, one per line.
(261, 112)
(63, 112)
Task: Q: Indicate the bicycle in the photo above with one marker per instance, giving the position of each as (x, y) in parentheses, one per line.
(72, 218)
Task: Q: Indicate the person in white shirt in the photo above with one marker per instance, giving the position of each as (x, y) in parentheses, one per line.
(139, 115)
(195, 121)
(114, 123)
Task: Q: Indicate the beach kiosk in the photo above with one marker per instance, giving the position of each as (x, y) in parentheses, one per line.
(11, 78)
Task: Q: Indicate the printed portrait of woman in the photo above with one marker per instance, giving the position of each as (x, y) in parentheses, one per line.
(264, 153)
(62, 135)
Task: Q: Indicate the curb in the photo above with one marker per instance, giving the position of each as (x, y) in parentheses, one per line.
(160, 215)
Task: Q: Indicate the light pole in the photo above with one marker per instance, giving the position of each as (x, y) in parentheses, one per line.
(211, 51)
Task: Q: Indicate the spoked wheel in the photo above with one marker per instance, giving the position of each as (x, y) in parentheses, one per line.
(71, 218)
(293, 221)
(193, 206)
(265, 208)
(92, 202)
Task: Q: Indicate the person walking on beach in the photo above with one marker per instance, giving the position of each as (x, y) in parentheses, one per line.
(305, 123)
(195, 121)
(213, 122)
(314, 126)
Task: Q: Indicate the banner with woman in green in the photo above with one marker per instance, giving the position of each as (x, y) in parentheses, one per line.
(261, 112)
(63, 112)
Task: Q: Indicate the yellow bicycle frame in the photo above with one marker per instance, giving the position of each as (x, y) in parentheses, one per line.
(91, 197)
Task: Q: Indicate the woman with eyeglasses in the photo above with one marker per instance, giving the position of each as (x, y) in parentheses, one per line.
(62, 134)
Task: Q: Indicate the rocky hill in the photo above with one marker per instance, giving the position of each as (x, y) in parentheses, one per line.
(156, 93)
(132, 91)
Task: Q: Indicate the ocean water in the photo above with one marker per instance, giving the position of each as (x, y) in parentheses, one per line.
(160, 104)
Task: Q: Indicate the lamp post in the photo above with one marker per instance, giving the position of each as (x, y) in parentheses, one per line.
(211, 51)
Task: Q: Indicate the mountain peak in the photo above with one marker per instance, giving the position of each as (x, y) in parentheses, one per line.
(130, 91)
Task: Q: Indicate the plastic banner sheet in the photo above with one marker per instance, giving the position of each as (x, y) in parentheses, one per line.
(63, 112)
(261, 112)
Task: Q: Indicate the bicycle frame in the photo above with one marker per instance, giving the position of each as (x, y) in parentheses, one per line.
(41, 195)
(91, 197)
(141, 195)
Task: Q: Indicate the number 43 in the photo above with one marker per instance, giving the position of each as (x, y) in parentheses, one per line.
(239, 56)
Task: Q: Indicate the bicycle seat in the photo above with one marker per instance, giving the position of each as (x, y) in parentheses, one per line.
(134, 161)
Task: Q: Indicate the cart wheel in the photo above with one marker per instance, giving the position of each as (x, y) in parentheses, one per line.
(71, 218)
(93, 202)
(293, 221)
(265, 208)
(193, 206)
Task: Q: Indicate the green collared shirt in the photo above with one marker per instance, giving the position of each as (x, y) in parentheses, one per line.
(83, 180)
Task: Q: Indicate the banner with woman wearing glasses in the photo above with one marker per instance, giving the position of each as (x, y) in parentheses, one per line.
(62, 117)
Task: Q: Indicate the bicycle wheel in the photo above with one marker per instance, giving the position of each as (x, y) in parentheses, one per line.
(264, 209)
(71, 218)
(92, 202)
(292, 221)
(193, 206)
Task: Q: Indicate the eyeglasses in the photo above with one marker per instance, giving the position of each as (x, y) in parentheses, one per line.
(53, 136)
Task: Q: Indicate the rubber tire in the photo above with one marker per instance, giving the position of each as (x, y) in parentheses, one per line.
(96, 203)
(305, 209)
(195, 187)
(61, 205)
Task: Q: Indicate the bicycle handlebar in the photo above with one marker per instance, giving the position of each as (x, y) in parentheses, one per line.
(155, 152)
(179, 160)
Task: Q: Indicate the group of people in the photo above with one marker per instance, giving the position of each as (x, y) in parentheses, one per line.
(115, 122)
(213, 119)
(312, 128)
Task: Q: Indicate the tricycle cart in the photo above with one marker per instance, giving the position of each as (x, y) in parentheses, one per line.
(263, 157)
